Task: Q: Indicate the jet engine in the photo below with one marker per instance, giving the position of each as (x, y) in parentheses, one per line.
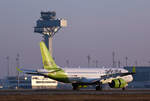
(118, 83)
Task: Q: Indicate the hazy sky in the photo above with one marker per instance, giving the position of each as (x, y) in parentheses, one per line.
(95, 27)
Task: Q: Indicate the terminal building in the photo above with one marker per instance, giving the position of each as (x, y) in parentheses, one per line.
(142, 77)
(28, 82)
(42, 82)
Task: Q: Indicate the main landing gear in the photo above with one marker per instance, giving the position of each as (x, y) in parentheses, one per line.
(123, 88)
(98, 87)
(75, 86)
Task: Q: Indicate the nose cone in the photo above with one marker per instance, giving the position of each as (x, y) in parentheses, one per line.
(130, 78)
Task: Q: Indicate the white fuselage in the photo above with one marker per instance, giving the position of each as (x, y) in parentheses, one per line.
(76, 74)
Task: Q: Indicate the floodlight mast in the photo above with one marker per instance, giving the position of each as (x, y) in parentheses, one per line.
(48, 26)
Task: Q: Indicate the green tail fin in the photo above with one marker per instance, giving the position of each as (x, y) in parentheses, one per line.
(47, 59)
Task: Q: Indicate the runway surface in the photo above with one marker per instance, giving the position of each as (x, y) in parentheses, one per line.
(52, 92)
(69, 95)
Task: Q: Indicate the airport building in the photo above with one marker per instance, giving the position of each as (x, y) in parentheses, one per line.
(28, 82)
(13, 82)
(42, 82)
(142, 77)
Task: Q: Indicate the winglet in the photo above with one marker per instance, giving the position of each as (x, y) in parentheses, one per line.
(18, 69)
(133, 70)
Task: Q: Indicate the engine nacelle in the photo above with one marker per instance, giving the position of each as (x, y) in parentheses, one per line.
(118, 83)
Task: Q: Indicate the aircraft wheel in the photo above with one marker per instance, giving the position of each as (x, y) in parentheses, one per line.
(75, 87)
(123, 88)
(98, 88)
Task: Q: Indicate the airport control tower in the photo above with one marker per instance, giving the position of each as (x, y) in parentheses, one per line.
(48, 25)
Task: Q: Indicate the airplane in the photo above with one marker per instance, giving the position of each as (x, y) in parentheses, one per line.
(81, 77)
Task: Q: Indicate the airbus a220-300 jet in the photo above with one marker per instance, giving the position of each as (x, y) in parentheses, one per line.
(81, 77)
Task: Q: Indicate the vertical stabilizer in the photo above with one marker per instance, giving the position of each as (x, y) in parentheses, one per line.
(47, 59)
